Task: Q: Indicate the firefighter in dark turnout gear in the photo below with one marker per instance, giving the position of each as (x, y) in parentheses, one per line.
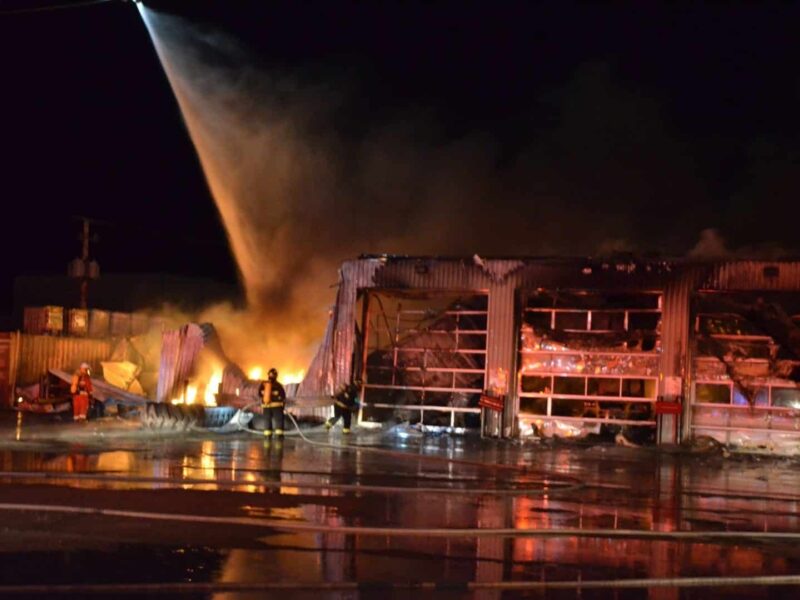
(273, 398)
(345, 401)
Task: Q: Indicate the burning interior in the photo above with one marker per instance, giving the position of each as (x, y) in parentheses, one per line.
(747, 366)
(589, 357)
(658, 351)
(425, 357)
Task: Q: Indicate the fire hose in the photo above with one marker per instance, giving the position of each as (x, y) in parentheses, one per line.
(390, 586)
(439, 532)
(299, 527)
(314, 528)
(572, 484)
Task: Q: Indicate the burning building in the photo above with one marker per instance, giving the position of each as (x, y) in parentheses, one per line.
(665, 349)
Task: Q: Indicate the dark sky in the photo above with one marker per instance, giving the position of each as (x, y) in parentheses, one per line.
(90, 126)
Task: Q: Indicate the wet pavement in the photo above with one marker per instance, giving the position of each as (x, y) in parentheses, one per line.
(105, 503)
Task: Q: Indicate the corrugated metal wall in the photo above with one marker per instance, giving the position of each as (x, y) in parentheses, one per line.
(332, 364)
(501, 357)
(344, 330)
(469, 275)
(179, 349)
(170, 350)
(430, 274)
(754, 275)
(318, 379)
(37, 354)
(502, 279)
(675, 348)
(6, 358)
(676, 323)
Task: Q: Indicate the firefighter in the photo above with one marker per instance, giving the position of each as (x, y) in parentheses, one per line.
(345, 401)
(81, 390)
(273, 398)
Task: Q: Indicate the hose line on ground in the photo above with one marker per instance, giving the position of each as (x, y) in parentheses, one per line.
(440, 532)
(572, 485)
(345, 487)
(388, 586)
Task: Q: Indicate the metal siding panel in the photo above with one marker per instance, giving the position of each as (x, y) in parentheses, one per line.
(749, 275)
(500, 352)
(677, 331)
(438, 275)
(170, 348)
(332, 364)
(501, 279)
(591, 274)
(38, 354)
(120, 324)
(99, 322)
(314, 382)
(675, 323)
(6, 363)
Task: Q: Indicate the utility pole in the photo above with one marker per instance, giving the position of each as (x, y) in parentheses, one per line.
(85, 259)
(84, 268)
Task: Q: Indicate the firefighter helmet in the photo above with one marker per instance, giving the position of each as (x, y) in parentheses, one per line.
(272, 374)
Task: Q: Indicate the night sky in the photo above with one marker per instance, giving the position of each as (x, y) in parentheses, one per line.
(674, 120)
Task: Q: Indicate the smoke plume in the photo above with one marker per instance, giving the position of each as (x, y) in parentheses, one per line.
(298, 192)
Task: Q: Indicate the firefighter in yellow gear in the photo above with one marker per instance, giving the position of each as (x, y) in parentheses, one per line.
(273, 399)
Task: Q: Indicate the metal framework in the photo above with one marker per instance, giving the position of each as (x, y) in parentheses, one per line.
(738, 415)
(424, 353)
(593, 381)
(561, 339)
(732, 414)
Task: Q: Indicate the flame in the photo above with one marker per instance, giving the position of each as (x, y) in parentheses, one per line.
(257, 374)
(294, 376)
(191, 394)
(212, 387)
(192, 391)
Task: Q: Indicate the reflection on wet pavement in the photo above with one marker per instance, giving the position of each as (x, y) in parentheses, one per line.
(238, 476)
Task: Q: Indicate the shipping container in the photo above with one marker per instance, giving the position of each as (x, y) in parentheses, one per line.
(140, 323)
(99, 323)
(32, 356)
(6, 355)
(160, 323)
(120, 324)
(77, 322)
(41, 320)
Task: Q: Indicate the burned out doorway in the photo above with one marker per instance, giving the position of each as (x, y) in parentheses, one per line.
(589, 359)
(424, 357)
(746, 368)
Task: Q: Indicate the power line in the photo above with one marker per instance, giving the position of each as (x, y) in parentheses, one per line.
(52, 7)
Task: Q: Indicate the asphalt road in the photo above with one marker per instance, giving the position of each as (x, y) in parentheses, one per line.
(384, 514)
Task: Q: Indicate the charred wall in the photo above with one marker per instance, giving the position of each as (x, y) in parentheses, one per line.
(578, 341)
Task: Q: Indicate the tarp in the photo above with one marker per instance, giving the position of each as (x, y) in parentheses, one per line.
(123, 375)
